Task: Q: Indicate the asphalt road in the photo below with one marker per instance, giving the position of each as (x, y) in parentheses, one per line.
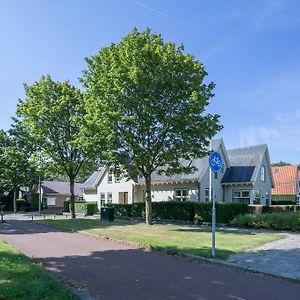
(110, 270)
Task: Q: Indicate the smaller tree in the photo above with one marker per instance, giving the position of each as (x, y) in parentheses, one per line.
(51, 114)
(14, 165)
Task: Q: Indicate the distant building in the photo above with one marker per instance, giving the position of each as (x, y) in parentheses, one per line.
(56, 192)
(246, 177)
(286, 184)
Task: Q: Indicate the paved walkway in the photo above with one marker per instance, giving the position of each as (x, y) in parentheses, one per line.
(109, 270)
(279, 258)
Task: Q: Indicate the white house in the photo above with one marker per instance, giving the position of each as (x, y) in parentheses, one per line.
(246, 177)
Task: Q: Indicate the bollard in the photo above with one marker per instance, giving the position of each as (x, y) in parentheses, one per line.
(44, 217)
(31, 217)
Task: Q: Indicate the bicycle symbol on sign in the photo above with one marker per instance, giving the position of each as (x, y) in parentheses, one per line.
(215, 161)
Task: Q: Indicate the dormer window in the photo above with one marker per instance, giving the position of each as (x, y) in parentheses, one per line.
(110, 176)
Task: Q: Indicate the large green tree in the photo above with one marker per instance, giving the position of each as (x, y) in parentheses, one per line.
(51, 114)
(152, 96)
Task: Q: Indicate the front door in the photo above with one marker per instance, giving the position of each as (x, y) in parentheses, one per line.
(125, 197)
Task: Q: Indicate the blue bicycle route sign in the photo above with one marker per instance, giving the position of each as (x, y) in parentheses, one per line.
(215, 161)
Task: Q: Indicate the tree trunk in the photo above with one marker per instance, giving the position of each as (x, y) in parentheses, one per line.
(72, 199)
(148, 200)
(15, 200)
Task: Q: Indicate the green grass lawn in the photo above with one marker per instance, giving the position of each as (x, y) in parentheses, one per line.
(24, 278)
(171, 238)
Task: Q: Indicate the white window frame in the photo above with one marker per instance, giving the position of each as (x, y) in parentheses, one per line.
(110, 176)
(102, 199)
(256, 197)
(109, 197)
(241, 197)
(181, 197)
(207, 194)
(52, 201)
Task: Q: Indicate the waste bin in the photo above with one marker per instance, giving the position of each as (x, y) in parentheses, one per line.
(107, 214)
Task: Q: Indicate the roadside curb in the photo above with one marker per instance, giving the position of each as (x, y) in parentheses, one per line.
(178, 253)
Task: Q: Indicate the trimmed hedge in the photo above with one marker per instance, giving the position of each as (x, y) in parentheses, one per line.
(261, 209)
(277, 221)
(283, 199)
(225, 212)
(121, 210)
(85, 208)
(182, 211)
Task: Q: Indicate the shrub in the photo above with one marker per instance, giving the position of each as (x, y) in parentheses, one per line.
(21, 203)
(277, 221)
(85, 208)
(283, 199)
(173, 210)
(138, 210)
(66, 206)
(225, 212)
(121, 210)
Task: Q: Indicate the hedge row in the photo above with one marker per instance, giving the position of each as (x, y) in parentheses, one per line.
(277, 221)
(85, 208)
(182, 211)
(261, 209)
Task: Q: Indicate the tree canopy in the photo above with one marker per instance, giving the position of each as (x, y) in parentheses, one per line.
(52, 113)
(152, 97)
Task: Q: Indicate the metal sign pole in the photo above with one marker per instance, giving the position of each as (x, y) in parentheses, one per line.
(213, 226)
(215, 164)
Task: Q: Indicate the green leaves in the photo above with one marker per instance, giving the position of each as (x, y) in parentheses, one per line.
(154, 97)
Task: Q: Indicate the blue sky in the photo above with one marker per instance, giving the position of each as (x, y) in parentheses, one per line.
(251, 50)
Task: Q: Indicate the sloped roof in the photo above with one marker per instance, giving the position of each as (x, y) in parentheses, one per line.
(60, 187)
(285, 180)
(200, 163)
(245, 164)
(92, 182)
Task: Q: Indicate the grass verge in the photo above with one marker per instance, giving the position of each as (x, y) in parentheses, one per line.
(22, 277)
(171, 238)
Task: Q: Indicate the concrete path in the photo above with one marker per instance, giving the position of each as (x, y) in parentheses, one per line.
(109, 270)
(279, 258)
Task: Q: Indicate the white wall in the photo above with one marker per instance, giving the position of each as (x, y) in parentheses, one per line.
(264, 186)
(165, 192)
(90, 195)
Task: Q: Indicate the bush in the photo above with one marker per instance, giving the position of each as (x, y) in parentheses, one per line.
(277, 221)
(21, 203)
(173, 210)
(225, 212)
(283, 199)
(85, 208)
(121, 210)
(138, 210)
(66, 206)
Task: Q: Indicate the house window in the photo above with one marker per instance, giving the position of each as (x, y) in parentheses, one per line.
(51, 201)
(241, 196)
(207, 194)
(267, 198)
(117, 176)
(181, 194)
(102, 199)
(109, 197)
(263, 173)
(256, 197)
(110, 176)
